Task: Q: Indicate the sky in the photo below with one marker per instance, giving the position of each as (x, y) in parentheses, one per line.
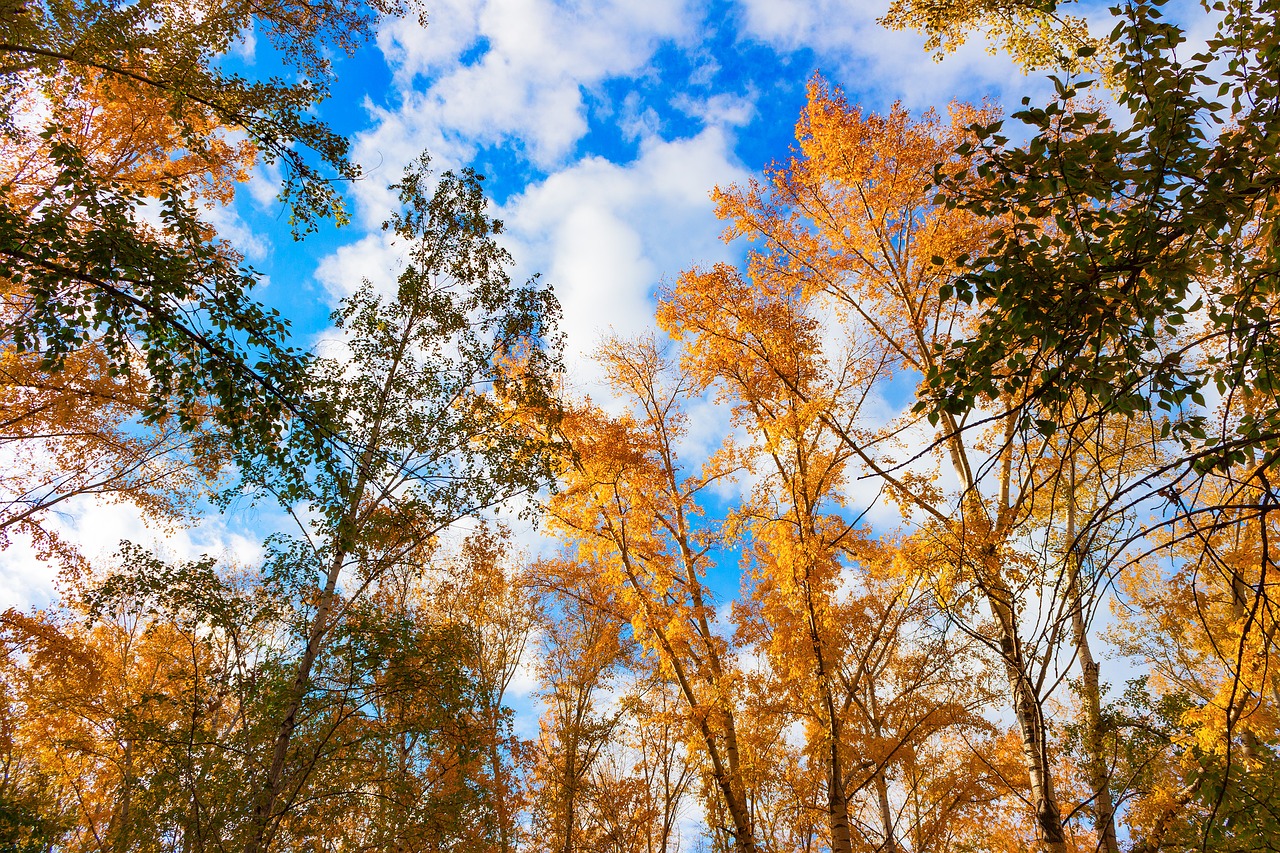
(601, 127)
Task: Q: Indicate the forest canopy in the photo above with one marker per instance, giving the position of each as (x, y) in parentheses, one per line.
(1060, 641)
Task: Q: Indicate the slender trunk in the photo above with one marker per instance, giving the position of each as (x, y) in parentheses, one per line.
(881, 784)
(1031, 729)
(1099, 777)
(744, 840)
(121, 820)
(1035, 755)
(570, 793)
(837, 801)
(577, 758)
(264, 805)
(730, 781)
(838, 805)
(1027, 708)
(886, 813)
(500, 792)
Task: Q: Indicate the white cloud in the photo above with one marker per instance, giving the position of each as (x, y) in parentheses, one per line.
(605, 234)
(235, 231)
(97, 527)
(854, 49)
(264, 185)
(245, 47)
(376, 257)
(25, 580)
(723, 110)
(508, 72)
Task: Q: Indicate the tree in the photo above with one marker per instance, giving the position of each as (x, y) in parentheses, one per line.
(485, 596)
(1140, 262)
(629, 504)
(440, 409)
(75, 431)
(396, 738)
(1137, 285)
(1037, 35)
(581, 653)
(137, 715)
(444, 405)
(116, 119)
(130, 707)
(834, 655)
(1204, 629)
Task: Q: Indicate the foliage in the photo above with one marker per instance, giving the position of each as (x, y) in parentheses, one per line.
(76, 432)
(1137, 269)
(117, 119)
(141, 719)
(1037, 35)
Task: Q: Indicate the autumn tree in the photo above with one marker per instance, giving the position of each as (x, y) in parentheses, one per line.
(581, 651)
(135, 714)
(1201, 624)
(791, 522)
(484, 594)
(117, 122)
(1137, 286)
(129, 705)
(629, 504)
(828, 648)
(1036, 35)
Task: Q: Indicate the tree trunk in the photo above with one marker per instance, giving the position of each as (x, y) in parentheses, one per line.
(264, 807)
(1103, 808)
(886, 814)
(1026, 702)
(881, 784)
(121, 820)
(1099, 776)
(744, 839)
(838, 807)
(500, 800)
(265, 802)
(570, 794)
(1031, 729)
(1035, 755)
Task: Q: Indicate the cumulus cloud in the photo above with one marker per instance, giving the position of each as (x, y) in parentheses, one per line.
(235, 231)
(505, 72)
(605, 234)
(853, 48)
(97, 527)
(375, 257)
